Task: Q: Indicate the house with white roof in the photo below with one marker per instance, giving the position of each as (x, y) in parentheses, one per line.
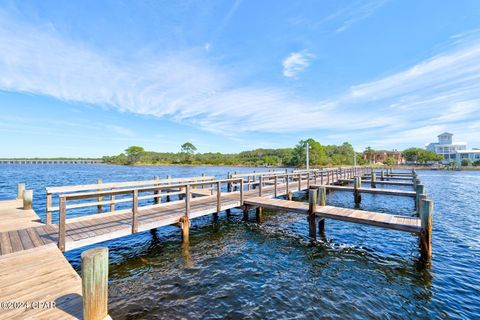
(447, 148)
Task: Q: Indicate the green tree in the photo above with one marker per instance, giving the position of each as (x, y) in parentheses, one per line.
(316, 153)
(421, 155)
(389, 161)
(188, 150)
(134, 154)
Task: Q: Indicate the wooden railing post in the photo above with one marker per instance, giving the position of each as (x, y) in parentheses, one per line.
(312, 207)
(248, 183)
(382, 175)
(185, 220)
(20, 189)
(99, 198)
(308, 179)
(95, 283)
(275, 187)
(299, 182)
(156, 200)
(48, 205)
(373, 181)
(260, 182)
(135, 212)
(168, 182)
(241, 191)
(219, 197)
(420, 190)
(62, 223)
(426, 218)
(27, 199)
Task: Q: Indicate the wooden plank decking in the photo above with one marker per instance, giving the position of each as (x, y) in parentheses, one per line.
(390, 221)
(391, 192)
(40, 275)
(12, 216)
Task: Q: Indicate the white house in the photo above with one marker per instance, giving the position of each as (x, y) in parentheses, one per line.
(472, 155)
(446, 147)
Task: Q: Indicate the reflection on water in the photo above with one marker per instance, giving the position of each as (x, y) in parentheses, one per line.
(237, 269)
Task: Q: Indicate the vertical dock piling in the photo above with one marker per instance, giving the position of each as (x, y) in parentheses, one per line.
(312, 207)
(95, 283)
(322, 201)
(20, 189)
(426, 218)
(27, 199)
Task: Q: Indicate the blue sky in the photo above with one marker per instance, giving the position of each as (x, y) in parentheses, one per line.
(90, 78)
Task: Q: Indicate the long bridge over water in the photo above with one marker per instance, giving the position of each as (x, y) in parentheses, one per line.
(125, 208)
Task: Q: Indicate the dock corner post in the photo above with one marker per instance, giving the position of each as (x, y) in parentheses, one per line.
(27, 199)
(156, 199)
(48, 205)
(95, 283)
(373, 178)
(357, 184)
(312, 208)
(229, 184)
(62, 223)
(185, 220)
(287, 191)
(322, 201)
(299, 182)
(308, 179)
(135, 212)
(100, 198)
(20, 189)
(426, 218)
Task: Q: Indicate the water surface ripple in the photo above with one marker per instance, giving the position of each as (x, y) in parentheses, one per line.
(235, 269)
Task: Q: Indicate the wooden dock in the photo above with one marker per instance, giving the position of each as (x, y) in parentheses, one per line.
(24, 240)
(390, 183)
(390, 221)
(390, 192)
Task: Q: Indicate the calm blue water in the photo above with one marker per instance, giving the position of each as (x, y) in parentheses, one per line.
(236, 269)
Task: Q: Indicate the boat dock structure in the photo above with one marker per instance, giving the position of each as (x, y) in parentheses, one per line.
(33, 268)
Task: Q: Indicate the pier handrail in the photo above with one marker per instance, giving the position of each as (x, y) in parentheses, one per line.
(50, 191)
(135, 201)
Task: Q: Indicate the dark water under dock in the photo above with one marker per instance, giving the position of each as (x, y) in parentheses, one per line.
(234, 269)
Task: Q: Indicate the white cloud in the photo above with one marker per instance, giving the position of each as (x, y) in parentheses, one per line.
(186, 88)
(296, 62)
(357, 11)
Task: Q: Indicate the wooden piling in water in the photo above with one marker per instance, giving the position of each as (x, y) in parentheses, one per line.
(95, 283)
(259, 214)
(374, 180)
(426, 218)
(245, 213)
(357, 184)
(135, 211)
(382, 176)
(168, 182)
(27, 199)
(322, 201)
(420, 190)
(20, 189)
(312, 207)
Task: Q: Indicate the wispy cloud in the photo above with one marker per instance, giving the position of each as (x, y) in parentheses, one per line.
(185, 87)
(356, 12)
(296, 62)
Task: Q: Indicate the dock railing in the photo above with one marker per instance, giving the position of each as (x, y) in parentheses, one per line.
(135, 197)
(156, 196)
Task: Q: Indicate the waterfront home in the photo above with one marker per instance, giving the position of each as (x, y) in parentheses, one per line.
(446, 147)
(379, 156)
(470, 155)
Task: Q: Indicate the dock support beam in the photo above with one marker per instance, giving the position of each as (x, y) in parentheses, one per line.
(157, 199)
(426, 218)
(312, 207)
(100, 198)
(27, 199)
(95, 283)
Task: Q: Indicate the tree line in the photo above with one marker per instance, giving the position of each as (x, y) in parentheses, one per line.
(319, 155)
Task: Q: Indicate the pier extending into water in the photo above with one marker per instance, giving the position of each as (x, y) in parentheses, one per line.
(153, 206)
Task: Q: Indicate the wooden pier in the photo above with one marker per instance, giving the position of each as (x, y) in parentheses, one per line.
(125, 208)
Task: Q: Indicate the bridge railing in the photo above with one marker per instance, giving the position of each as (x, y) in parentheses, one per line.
(134, 192)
